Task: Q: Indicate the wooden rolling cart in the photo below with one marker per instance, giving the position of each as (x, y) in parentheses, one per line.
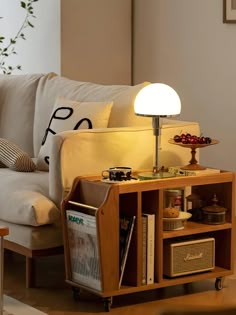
(134, 198)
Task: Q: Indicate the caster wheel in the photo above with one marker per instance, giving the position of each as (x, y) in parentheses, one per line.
(219, 284)
(107, 302)
(76, 293)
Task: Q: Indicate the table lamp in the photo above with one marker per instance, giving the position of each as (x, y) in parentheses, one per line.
(156, 100)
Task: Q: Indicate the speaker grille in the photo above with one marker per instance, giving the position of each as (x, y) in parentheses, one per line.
(189, 257)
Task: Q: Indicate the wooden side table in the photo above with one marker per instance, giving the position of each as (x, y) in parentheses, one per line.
(105, 202)
(3, 232)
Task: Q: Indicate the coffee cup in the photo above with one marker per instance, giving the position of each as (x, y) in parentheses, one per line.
(117, 173)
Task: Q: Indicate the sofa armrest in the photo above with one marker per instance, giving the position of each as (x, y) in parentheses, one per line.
(89, 151)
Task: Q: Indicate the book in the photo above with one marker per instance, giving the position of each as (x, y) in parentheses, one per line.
(176, 170)
(149, 222)
(126, 231)
(187, 192)
(144, 250)
(83, 247)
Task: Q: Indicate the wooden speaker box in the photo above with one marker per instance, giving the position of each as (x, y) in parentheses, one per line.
(188, 257)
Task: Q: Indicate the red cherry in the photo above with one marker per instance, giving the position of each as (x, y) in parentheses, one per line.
(208, 140)
(202, 140)
(185, 141)
(193, 141)
(177, 138)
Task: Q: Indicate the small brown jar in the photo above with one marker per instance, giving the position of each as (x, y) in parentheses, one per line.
(214, 214)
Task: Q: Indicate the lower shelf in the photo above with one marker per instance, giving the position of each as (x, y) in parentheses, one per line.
(165, 282)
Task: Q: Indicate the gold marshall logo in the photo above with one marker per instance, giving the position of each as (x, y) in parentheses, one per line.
(193, 257)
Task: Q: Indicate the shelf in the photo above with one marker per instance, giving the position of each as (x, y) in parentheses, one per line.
(193, 228)
(166, 282)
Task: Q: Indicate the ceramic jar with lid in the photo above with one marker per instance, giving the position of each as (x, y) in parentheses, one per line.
(214, 214)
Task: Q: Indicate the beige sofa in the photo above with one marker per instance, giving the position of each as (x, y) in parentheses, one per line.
(29, 116)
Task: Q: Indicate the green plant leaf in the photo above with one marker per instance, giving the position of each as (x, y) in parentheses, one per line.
(30, 24)
(9, 48)
(23, 4)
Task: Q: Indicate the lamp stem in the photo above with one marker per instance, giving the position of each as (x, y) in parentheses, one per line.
(156, 132)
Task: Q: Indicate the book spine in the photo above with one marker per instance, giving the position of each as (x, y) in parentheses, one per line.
(144, 250)
(150, 247)
(187, 192)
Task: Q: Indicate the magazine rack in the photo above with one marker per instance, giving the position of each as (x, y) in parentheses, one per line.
(84, 193)
(108, 201)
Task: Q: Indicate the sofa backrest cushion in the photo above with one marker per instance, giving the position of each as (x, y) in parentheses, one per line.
(17, 104)
(52, 86)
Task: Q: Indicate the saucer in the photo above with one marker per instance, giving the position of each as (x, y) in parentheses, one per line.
(107, 180)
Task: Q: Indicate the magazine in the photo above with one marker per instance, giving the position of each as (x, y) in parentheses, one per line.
(126, 230)
(83, 245)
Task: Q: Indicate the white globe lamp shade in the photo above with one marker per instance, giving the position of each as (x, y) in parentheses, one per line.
(157, 99)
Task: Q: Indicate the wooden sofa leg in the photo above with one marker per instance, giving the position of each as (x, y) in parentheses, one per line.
(30, 272)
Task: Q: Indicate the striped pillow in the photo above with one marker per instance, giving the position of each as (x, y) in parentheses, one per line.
(14, 158)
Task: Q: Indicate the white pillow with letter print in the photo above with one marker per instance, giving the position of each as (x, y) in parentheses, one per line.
(72, 115)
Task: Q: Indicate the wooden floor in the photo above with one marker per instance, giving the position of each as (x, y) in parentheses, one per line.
(53, 297)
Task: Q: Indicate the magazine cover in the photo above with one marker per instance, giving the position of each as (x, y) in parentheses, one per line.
(126, 230)
(83, 244)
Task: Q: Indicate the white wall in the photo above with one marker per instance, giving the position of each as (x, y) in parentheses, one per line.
(88, 40)
(40, 53)
(185, 44)
(96, 40)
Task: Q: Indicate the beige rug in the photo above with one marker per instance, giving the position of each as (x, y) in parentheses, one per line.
(14, 307)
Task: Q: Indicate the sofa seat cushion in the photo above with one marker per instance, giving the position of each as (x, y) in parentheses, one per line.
(35, 237)
(24, 198)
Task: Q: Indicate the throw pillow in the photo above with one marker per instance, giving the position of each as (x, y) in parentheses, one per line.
(72, 115)
(15, 158)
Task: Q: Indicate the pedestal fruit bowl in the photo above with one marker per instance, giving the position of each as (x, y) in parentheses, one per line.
(192, 142)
